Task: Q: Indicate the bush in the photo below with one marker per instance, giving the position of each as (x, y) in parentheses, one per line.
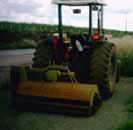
(6, 46)
(27, 43)
(130, 107)
(125, 54)
(129, 104)
(127, 126)
(130, 100)
(22, 44)
(126, 58)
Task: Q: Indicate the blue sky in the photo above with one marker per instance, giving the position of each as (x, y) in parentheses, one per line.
(42, 11)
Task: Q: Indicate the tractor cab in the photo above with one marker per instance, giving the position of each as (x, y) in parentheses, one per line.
(93, 6)
(80, 44)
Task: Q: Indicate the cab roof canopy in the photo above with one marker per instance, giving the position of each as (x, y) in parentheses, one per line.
(78, 2)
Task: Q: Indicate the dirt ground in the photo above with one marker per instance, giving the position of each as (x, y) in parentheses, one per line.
(111, 114)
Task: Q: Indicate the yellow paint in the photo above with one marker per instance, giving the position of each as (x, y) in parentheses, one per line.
(68, 91)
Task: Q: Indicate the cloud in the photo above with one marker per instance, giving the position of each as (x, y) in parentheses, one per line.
(41, 11)
(19, 9)
(120, 3)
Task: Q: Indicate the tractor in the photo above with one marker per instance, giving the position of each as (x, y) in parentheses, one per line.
(70, 74)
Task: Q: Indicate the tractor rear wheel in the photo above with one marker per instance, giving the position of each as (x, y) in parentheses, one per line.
(43, 54)
(103, 69)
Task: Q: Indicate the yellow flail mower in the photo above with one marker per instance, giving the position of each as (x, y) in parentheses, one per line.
(68, 75)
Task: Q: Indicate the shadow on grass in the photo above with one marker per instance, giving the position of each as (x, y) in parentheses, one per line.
(7, 116)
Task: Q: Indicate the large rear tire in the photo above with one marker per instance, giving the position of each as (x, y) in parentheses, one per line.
(103, 69)
(43, 54)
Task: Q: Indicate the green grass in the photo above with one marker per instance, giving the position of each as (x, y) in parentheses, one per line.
(130, 104)
(130, 100)
(130, 107)
(127, 126)
(125, 54)
(7, 118)
(126, 62)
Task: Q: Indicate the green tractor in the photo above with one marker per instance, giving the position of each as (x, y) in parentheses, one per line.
(68, 75)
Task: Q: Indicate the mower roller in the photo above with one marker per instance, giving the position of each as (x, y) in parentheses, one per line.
(68, 76)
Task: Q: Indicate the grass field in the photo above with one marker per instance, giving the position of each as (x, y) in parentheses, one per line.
(13, 32)
(128, 125)
(125, 53)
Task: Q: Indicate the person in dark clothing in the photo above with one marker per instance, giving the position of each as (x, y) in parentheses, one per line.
(79, 61)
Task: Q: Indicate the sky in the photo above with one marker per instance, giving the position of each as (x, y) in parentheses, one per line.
(42, 11)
